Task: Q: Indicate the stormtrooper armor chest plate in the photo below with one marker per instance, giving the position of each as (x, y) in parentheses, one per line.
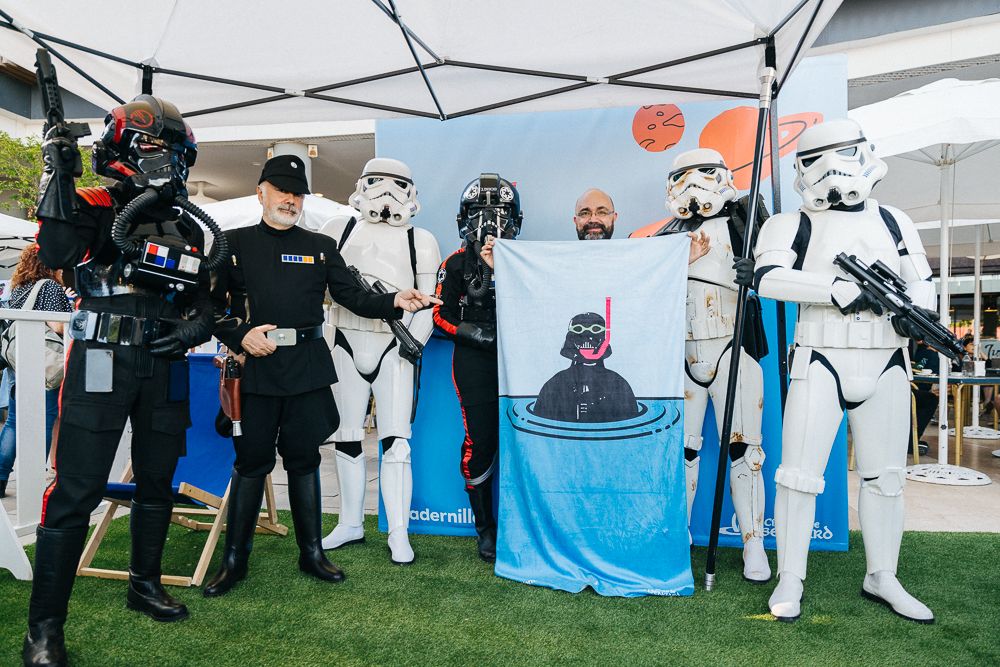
(380, 252)
(711, 290)
(863, 234)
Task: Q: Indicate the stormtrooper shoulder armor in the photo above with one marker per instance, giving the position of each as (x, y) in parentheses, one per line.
(427, 250)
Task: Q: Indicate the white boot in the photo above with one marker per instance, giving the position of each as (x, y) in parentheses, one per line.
(747, 485)
(786, 600)
(691, 482)
(350, 527)
(794, 513)
(883, 587)
(396, 480)
(880, 512)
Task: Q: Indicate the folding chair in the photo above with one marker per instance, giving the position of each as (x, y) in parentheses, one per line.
(202, 479)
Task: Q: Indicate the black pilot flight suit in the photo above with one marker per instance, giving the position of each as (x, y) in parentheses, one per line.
(471, 321)
(151, 391)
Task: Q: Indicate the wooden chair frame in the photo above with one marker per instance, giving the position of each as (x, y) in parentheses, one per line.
(211, 518)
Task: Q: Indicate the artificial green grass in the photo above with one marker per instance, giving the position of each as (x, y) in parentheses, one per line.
(449, 609)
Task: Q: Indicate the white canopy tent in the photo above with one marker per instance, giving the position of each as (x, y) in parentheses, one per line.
(249, 62)
(15, 234)
(243, 62)
(941, 124)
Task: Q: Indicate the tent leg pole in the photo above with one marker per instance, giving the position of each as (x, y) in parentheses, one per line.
(775, 155)
(767, 79)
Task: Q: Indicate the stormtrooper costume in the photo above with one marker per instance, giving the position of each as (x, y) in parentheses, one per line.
(701, 195)
(384, 246)
(848, 355)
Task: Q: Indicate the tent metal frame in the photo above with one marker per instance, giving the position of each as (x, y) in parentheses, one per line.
(771, 84)
(413, 40)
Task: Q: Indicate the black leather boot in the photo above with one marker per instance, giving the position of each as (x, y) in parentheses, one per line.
(57, 554)
(3, 488)
(304, 497)
(245, 497)
(481, 501)
(149, 524)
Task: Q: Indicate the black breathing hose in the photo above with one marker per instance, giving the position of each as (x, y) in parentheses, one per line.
(480, 285)
(132, 247)
(220, 244)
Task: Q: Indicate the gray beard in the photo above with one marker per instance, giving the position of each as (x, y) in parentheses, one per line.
(598, 235)
(283, 219)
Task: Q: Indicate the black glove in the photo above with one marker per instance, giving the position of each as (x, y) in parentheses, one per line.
(184, 335)
(863, 301)
(60, 153)
(744, 271)
(907, 328)
(481, 336)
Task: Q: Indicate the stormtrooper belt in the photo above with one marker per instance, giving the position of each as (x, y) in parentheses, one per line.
(290, 336)
(114, 329)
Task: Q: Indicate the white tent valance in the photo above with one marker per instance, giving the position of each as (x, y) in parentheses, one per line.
(231, 62)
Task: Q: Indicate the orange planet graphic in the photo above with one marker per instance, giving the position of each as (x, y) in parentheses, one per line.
(650, 229)
(658, 127)
(732, 134)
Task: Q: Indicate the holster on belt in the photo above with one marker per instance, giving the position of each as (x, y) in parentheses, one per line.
(227, 422)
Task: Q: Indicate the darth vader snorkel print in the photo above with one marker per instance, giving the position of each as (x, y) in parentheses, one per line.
(587, 391)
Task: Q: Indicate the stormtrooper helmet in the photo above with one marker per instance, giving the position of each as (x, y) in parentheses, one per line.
(385, 192)
(700, 184)
(834, 164)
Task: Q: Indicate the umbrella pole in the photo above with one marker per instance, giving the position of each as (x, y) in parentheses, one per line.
(767, 80)
(944, 363)
(977, 305)
(942, 472)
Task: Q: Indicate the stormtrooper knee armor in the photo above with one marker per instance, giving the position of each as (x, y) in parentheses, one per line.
(849, 355)
(702, 196)
(384, 246)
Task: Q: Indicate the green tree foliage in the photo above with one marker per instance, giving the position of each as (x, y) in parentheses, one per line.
(21, 168)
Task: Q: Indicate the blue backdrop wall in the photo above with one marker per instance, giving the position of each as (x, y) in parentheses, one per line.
(553, 158)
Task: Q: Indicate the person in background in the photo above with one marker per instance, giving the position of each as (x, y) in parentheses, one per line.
(30, 272)
(925, 395)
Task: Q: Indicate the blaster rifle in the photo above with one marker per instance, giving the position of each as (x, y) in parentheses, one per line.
(60, 154)
(410, 348)
(881, 282)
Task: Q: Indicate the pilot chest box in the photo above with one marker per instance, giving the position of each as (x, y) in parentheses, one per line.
(165, 262)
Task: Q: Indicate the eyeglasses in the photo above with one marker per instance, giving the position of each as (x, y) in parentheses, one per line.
(599, 213)
(593, 328)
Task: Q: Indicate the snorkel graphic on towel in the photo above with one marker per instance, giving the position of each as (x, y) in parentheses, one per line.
(587, 391)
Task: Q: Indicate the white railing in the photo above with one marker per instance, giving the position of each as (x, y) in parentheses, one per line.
(29, 465)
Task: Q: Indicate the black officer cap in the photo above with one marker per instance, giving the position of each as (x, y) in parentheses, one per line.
(286, 172)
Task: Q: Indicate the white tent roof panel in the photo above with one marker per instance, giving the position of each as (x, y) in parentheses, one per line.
(310, 45)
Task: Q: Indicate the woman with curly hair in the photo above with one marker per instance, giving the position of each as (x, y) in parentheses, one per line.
(51, 296)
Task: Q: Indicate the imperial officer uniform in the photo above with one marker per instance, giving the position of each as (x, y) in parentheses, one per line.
(280, 277)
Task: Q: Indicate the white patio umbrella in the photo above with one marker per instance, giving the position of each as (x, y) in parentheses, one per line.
(940, 124)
